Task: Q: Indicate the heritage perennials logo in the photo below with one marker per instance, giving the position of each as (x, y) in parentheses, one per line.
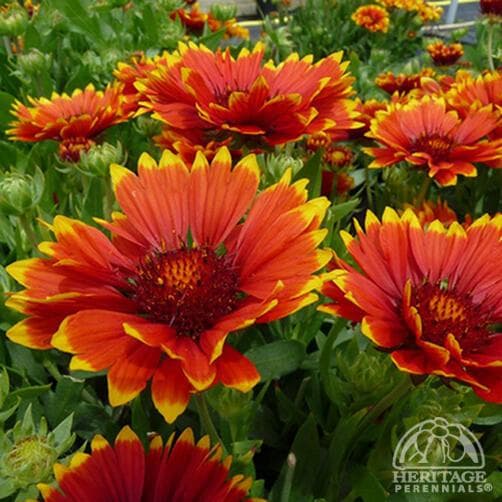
(437, 456)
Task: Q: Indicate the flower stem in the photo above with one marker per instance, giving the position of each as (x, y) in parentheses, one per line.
(369, 195)
(424, 190)
(6, 43)
(206, 421)
(26, 225)
(489, 44)
(288, 478)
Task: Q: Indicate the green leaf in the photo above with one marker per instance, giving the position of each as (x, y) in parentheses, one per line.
(64, 400)
(6, 488)
(339, 211)
(29, 392)
(366, 485)
(6, 101)
(312, 171)
(277, 358)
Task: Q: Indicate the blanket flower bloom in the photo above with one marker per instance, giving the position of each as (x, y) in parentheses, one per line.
(425, 134)
(445, 54)
(431, 296)
(402, 83)
(372, 17)
(74, 121)
(254, 103)
(430, 210)
(179, 470)
(181, 273)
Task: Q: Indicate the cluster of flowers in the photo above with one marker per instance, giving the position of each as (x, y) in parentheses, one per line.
(376, 18)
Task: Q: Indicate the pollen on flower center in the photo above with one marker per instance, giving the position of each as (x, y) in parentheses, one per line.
(189, 289)
(435, 145)
(443, 311)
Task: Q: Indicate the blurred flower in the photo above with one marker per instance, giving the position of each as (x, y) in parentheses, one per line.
(13, 20)
(234, 30)
(429, 12)
(338, 183)
(401, 83)
(372, 17)
(318, 140)
(255, 104)
(367, 110)
(34, 62)
(195, 20)
(149, 305)
(20, 193)
(430, 296)
(491, 7)
(443, 54)
(31, 8)
(178, 470)
(73, 120)
(425, 134)
(429, 211)
(338, 156)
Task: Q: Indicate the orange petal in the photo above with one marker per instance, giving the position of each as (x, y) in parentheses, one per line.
(236, 371)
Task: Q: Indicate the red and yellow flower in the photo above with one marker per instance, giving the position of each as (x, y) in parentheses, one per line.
(182, 272)
(253, 103)
(179, 470)
(402, 83)
(429, 211)
(491, 7)
(431, 296)
(445, 54)
(74, 121)
(372, 17)
(425, 134)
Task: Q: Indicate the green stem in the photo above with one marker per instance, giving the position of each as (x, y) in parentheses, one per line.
(26, 225)
(288, 479)
(424, 190)
(489, 45)
(8, 49)
(206, 421)
(109, 198)
(52, 370)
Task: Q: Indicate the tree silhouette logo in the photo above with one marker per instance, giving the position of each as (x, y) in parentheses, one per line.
(437, 444)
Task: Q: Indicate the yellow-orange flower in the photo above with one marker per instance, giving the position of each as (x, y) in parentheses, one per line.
(429, 12)
(425, 134)
(254, 103)
(431, 296)
(74, 121)
(429, 211)
(196, 254)
(402, 83)
(372, 17)
(443, 54)
(338, 156)
(125, 472)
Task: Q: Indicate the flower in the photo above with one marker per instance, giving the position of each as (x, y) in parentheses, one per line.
(240, 98)
(443, 54)
(367, 110)
(181, 272)
(73, 120)
(429, 12)
(402, 83)
(429, 211)
(493, 7)
(338, 156)
(372, 17)
(178, 470)
(424, 133)
(431, 296)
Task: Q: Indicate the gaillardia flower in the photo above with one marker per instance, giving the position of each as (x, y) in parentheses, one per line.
(74, 121)
(443, 54)
(430, 296)
(402, 83)
(425, 134)
(182, 271)
(179, 470)
(254, 103)
(372, 17)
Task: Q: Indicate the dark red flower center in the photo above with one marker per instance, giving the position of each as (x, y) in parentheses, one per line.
(436, 145)
(444, 311)
(189, 289)
(70, 148)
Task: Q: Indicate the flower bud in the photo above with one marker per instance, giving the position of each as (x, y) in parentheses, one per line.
(223, 12)
(34, 62)
(13, 22)
(20, 193)
(147, 126)
(230, 403)
(276, 165)
(96, 161)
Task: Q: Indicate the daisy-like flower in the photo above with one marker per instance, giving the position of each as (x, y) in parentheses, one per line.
(425, 134)
(182, 272)
(255, 104)
(74, 121)
(338, 156)
(430, 210)
(367, 110)
(402, 83)
(429, 13)
(445, 55)
(179, 470)
(372, 17)
(431, 296)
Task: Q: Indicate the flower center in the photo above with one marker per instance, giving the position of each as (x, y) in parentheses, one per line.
(443, 312)
(189, 289)
(70, 148)
(435, 145)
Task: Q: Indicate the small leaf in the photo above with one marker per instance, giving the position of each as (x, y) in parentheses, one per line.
(6, 101)
(312, 171)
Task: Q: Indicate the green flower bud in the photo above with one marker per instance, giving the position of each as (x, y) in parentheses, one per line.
(224, 12)
(147, 126)
(230, 403)
(13, 22)
(96, 161)
(275, 166)
(20, 193)
(34, 62)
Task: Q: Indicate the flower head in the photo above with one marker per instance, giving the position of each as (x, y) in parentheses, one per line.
(74, 121)
(372, 17)
(182, 272)
(179, 470)
(430, 296)
(493, 7)
(402, 83)
(252, 103)
(443, 54)
(429, 211)
(425, 134)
